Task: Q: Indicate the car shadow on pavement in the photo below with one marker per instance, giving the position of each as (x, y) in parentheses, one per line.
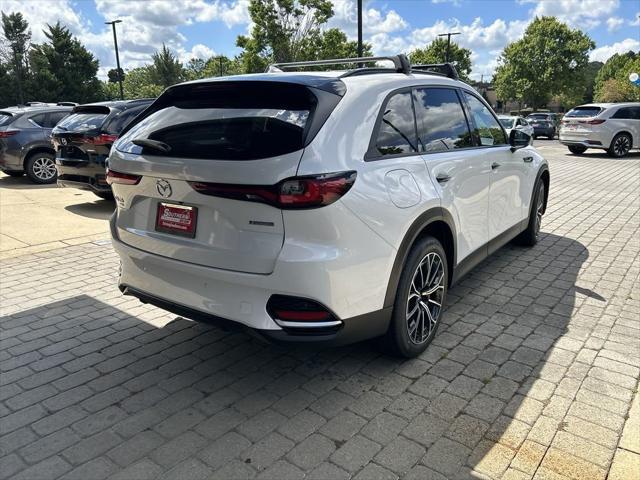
(99, 209)
(595, 153)
(22, 183)
(89, 383)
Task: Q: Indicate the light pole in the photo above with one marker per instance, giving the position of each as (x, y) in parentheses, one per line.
(115, 42)
(359, 28)
(448, 35)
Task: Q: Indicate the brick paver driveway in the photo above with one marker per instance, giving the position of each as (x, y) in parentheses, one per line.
(531, 376)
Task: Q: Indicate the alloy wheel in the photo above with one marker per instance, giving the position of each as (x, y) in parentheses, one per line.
(622, 146)
(426, 295)
(44, 168)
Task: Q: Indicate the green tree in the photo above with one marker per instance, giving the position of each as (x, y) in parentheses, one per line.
(138, 83)
(114, 75)
(612, 82)
(166, 69)
(436, 52)
(292, 30)
(549, 60)
(63, 69)
(16, 37)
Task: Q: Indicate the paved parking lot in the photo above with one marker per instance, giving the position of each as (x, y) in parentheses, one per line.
(532, 375)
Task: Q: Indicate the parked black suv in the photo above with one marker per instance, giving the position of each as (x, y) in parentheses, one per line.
(544, 124)
(83, 140)
(24, 141)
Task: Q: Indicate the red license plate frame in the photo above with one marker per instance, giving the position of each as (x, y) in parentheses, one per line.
(177, 219)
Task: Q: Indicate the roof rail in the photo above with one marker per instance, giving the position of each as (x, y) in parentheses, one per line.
(446, 69)
(400, 62)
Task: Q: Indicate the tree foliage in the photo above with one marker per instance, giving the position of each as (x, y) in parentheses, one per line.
(289, 31)
(138, 83)
(612, 82)
(436, 52)
(166, 69)
(549, 60)
(16, 37)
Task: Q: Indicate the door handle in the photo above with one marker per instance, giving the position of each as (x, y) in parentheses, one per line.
(494, 165)
(443, 178)
(527, 159)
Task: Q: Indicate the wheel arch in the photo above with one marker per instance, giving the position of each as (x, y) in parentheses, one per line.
(35, 150)
(436, 222)
(544, 176)
(623, 132)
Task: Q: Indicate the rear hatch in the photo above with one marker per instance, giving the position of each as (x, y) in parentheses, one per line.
(235, 135)
(579, 123)
(79, 137)
(6, 118)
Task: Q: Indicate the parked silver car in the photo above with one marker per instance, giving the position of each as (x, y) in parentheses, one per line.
(25, 143)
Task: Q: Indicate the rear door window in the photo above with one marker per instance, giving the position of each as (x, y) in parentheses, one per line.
(39, 120)
(396, 133)
(628, 113)
(227, 121)
(441, 121)
(80, 122)
(487, 128)
(54, 118)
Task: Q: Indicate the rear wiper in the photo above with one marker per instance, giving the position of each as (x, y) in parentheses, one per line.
(152, 144)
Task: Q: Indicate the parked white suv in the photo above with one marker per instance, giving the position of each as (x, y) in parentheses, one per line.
(319, 206)
(614, 127)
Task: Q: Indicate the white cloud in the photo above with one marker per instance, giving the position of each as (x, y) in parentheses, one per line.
(602, 54)
(585, 14)
(636, 20)
(197, 51)
(455, 3)
(373, 21)
(614, 23)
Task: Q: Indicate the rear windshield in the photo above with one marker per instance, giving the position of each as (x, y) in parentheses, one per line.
(539, 116)
(506, 122)
(122, 119)
(226, 121)
(5, 118)
(80, 122)
(583, 112)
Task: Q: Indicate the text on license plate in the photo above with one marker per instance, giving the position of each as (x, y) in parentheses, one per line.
(176, 219)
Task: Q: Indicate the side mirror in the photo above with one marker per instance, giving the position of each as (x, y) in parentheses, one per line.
(518, 139)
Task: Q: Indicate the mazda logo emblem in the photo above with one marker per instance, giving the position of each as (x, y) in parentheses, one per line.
(164, 188)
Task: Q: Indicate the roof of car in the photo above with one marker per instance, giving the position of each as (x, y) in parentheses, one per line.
(36, 108)
(607, 105)
(335, 80)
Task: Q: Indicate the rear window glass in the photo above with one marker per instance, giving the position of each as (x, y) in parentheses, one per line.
(121, 120)
(5, 118)
(506, 122)
(80, 122)
(441, 122)
(228, 122)
(584, 112)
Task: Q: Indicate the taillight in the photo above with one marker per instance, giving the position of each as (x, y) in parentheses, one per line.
(592, 122)
(102, 139)
(291, 193)
(8, 133)
(122, 178)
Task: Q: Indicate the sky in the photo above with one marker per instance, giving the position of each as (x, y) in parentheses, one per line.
(203, 28)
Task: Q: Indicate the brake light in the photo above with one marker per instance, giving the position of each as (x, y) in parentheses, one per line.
(8, 133)
(122, 178)
(102, 139)
(592, 122)
(291, 193)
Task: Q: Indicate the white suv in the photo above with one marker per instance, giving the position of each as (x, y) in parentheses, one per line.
(614, 127)
(319, 206)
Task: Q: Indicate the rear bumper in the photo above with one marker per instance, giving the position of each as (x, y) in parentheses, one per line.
(82, 174)
(353, 329)
(353, 289)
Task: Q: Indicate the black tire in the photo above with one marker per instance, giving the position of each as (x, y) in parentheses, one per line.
(105, 195)
(529, 237)
(620, 145)
(13, 173)
(428, 254)
(577, 149)
(40, 167)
